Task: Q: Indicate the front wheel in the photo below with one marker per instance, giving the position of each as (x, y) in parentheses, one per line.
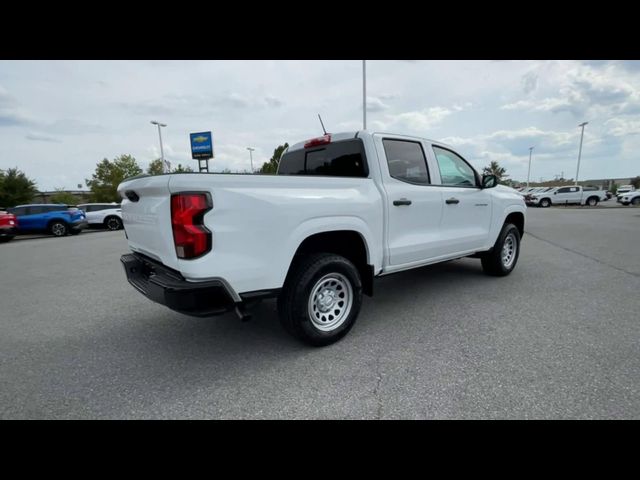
(545, 202)
(321, 299)
(502, 258)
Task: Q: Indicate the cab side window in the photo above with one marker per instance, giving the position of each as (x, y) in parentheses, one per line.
(454, 171)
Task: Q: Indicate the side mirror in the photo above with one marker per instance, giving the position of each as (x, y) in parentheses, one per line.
(555, 193)
(489, 181)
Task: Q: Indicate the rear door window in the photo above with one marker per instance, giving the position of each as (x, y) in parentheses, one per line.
(406, 161)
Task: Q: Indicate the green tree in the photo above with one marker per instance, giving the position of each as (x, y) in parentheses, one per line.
(16, 188)
(495, 169)
(271, 167)
(109, 174)
(181, 169)
(636, 182)
(155, 167)
(63, 197)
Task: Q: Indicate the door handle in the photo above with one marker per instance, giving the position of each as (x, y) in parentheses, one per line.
(453, 201)
(402, 201)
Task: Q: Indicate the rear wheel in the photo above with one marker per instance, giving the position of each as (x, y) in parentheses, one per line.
(635, 201)
(321, 299)
(502, 258)
(592, 201)
(113, 223)
(6, 239)
(58, 228)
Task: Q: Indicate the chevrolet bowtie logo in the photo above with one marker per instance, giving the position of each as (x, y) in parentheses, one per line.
(200, 139)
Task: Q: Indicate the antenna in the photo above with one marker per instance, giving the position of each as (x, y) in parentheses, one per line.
(323, 129)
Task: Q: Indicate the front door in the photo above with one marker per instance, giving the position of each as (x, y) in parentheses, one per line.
(467, 209)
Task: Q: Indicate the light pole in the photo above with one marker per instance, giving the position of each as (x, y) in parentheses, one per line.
(364, 94)
(164, 164)
(529, 172)
(251, 156)
(580, 151)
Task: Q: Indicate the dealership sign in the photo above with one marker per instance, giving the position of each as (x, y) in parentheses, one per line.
(201, 145)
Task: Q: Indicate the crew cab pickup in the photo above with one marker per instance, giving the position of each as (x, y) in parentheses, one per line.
(572, 194)
(342, 210)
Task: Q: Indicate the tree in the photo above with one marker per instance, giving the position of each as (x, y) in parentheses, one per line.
(109, 174)
(63, 197)
(636, 182)
(155, 167)
(16, 188)
(181, 169)
(271, 166)
(495, 169)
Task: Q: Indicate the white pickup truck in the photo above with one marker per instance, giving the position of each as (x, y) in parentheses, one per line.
(342, 210)
(571, 194)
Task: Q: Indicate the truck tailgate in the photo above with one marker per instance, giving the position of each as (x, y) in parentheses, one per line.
(146, 214)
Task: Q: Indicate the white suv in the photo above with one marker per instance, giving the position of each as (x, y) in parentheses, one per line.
(108, 215)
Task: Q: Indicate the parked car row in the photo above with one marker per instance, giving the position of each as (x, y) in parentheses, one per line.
(565, 195)
(58, 219)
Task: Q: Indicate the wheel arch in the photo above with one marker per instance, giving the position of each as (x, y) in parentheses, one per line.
(349, 243)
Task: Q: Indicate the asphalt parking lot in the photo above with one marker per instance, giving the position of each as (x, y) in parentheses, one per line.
(559, 338)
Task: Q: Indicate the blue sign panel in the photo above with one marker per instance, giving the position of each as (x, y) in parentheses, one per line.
(201, 145)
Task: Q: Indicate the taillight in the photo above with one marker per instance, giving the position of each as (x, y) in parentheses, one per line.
(190, 236)
(314, 142)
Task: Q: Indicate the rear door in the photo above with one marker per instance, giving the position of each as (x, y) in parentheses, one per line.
(414, 205)
(467, 209)
(33, 218)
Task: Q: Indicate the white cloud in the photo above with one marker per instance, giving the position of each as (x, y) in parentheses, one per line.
(485, 110)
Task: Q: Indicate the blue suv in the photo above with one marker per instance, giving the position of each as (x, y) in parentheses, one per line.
(58, 220)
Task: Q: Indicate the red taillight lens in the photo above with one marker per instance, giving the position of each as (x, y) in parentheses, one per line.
(190, 236)
(324, 140)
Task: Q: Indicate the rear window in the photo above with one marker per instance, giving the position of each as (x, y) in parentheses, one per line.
(338, 159)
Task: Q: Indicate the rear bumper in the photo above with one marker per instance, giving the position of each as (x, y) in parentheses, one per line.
(81, 225)
(8, 231)
(167, 287)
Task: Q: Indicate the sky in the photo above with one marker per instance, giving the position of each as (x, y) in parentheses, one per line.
(58, 119)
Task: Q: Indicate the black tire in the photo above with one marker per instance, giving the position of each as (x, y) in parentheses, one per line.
(545, 203)
(592, 201)
(6, 239)
(113, 223)
(58, 228)
(295, 299)
(492, 261)
(635, 201)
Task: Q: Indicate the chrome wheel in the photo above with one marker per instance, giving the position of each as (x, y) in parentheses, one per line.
(330, 302)
(509, 250)
(58, 229)
(592, 202)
